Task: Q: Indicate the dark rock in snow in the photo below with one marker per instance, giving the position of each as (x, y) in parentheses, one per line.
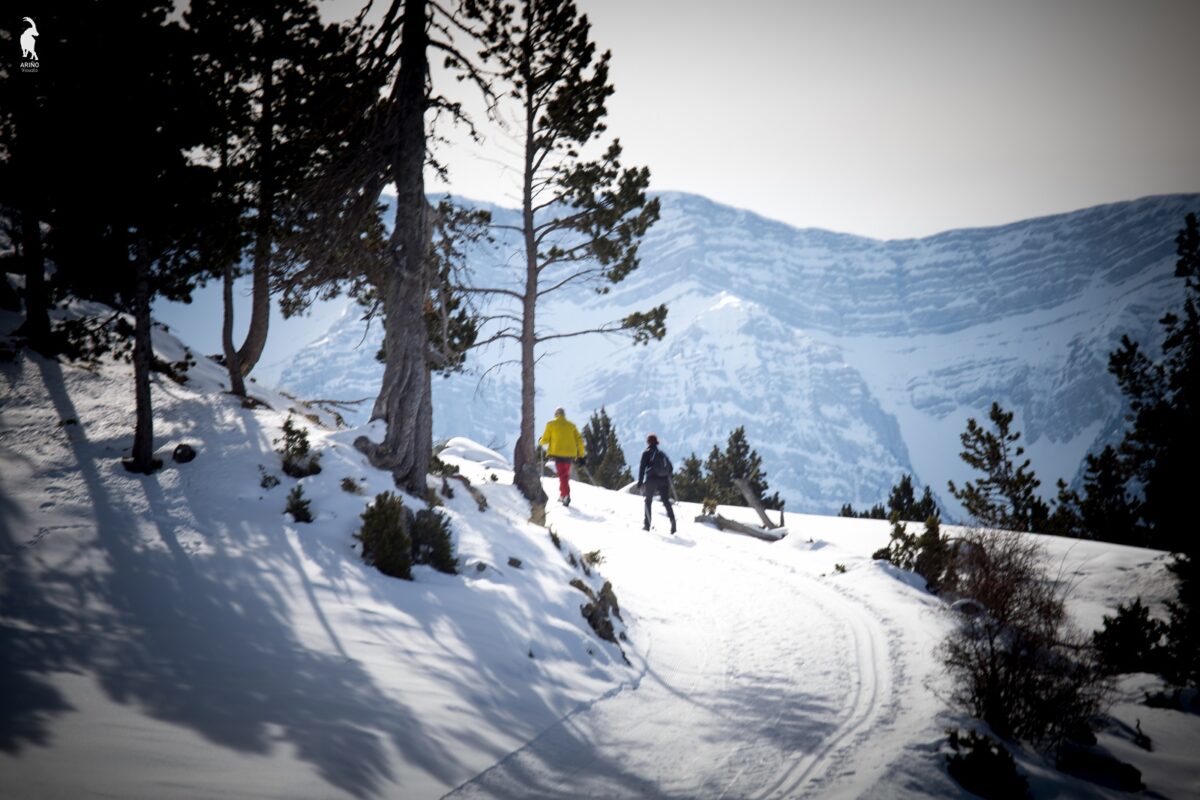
(184, 453)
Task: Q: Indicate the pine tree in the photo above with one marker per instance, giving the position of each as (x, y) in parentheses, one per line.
(901, 502)
(690, 483)
(1164, 408)
(387, 140)
(150, 232)
(1106, 510)
(581, 219)
(737, 461)
(926, 507)
(280, 75)
(1161, 444)
(933, 554)
(605, 461)
(876, 511)
(1006, 496)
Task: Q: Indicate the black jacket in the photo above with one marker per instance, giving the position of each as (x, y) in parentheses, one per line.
(644, 466)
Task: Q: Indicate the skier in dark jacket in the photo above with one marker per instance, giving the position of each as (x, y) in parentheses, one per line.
(654, 476)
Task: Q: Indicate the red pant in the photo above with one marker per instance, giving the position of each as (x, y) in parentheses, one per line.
(563, 467)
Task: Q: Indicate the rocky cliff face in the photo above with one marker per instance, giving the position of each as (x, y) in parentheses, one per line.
(849, 360)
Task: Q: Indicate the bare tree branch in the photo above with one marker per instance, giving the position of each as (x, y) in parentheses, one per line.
(572, 277)
(610, 328)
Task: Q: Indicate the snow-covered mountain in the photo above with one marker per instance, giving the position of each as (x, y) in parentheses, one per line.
(849, 360)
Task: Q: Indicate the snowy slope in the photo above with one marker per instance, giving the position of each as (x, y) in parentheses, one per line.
(177, 636)
(849, 360)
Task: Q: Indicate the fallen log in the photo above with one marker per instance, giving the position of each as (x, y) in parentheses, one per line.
(726, 524)
(752, 500)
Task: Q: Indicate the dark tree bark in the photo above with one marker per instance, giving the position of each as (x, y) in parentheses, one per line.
(142, 458)
(528, 473)
(36, 327)
(237, 384)
(260, 310)
(233, 365)
(404, 401)
(582, 220)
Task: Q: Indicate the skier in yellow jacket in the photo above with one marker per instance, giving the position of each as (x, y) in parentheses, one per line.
(564, 444)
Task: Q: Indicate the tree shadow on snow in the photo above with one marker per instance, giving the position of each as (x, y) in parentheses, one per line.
(203, 642)
(29, 640)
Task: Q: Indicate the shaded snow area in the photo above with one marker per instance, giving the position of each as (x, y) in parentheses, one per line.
(178, 636)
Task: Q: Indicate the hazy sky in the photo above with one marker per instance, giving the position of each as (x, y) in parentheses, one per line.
(897, 119)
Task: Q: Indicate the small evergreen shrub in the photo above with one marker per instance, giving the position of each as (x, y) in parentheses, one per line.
(593, 558)
(901, 549)
(839, 568)
(930, 555)
(600, 611)
(554, 538)
(268, 481)
(441, 468)
(982, 766)
(88, 340)
(350, 486)
(708, 507)
(298, 462)
(935, 555)
(1130, 641)
(385, 541)
(431, 542)
(175, 370)
(297, 506)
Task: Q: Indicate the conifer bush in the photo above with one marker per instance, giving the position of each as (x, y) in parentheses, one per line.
(1130, 641)
(431, 542)
(267, 481)
(298, 461)
(901, 549)
(297, 506)
(385, 541)
(934, 556)
(394, 539)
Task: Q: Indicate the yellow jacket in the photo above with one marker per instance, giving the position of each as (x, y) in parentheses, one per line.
(562, 439)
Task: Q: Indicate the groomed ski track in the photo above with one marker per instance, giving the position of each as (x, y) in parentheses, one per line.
(757, 674)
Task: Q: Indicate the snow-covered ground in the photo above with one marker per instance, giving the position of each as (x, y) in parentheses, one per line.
(177, 635)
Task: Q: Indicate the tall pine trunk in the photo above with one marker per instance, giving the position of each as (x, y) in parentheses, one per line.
(260, 310)
(528, 477)
(36, 327)
(142, 458)
(237, 384)
(233, 364)
(29, 119)
(404, 401)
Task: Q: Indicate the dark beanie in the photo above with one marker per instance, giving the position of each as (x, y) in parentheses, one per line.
(652, 439)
